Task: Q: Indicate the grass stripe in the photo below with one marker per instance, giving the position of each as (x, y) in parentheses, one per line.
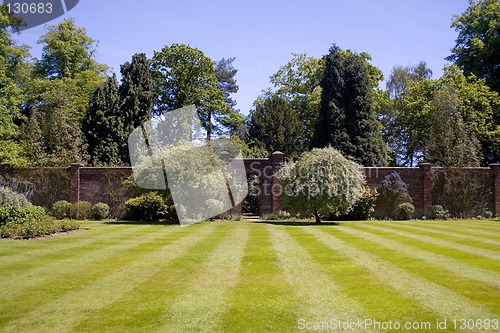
(465, 257)
(474, 283)
(112, 281)
(323, 298)
(167, 276)
(202, 304)
(435, 297)
(456, 266)
(38, 271)
(48, 248)
(453, 227)
(376, 299)
(263, 300)
(455, 232)
(61, 277)
(448, 236)
(495, 255)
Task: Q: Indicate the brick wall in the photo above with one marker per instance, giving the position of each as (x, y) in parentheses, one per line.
(106, 184)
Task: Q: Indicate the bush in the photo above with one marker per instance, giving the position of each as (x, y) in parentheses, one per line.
(439, 213)
(82, 210)
(284, 215)
(20, 215)
(271, 217)
(29, 222)
(362, 208)
(61, 209)
(148, 206)
(9, 197)
(404, 211)
(100, 211)
(393, 191)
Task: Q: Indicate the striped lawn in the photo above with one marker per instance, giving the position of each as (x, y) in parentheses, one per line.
(253, 277)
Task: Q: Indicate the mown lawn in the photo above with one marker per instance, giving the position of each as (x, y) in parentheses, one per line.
(253, 277)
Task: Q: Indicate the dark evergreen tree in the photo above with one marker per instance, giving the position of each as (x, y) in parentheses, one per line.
(103, 124)
(136, 96)
(225, 74)
(275, 126)
(226, 81)
(347, 119)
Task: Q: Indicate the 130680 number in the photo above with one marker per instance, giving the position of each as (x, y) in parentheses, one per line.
(30, 8)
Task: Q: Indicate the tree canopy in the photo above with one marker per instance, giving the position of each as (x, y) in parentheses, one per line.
(275, 126)
(477, 48)
(322, 181)
(347, 119)
(182, 76)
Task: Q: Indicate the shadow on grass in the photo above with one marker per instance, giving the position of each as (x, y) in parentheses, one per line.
(124, 222)
(299, 223)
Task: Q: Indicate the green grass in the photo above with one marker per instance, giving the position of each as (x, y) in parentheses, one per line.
(251, 277)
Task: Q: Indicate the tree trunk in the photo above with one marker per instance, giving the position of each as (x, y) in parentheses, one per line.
(316, 215)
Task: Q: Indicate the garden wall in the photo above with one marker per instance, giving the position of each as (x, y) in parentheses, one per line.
(106, 185)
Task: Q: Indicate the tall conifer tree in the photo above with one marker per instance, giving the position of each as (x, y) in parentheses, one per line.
(347, 119)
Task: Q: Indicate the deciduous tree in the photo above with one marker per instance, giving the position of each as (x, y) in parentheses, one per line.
(182, 76)
(323, 182)
(477, 48)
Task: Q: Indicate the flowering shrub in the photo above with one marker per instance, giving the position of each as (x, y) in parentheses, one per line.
(393, 191)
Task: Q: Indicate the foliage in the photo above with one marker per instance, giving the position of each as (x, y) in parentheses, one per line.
(391, 111)
(450, 142)
(479, 108)
(61, 209)
(271, 217)
(226, 81)
(464, 194)
(29, 222)
(136, 97)
(298, 81)
(81, 210)
(280, 215)
(20, 214)
(322, 181)
(14, 65)
(404, 211)
(439, 213)
(274, 126)
(8, 197)
(347, 119)
(100, 211)
(52, 134)
(36, 227)
(477, 49)
(67, 50)
(364, 206)
(103, 125)
(148, 207)
(182, 76)
(393, 191)
(188, 163)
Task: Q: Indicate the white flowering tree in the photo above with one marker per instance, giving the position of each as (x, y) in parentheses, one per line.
(322, 181)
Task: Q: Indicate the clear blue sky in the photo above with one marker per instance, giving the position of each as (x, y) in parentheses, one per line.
(263, 34)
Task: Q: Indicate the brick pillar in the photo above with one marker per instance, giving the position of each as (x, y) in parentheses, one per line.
(495, 183)
(426, 188)
(277, 161)
(74, 182)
